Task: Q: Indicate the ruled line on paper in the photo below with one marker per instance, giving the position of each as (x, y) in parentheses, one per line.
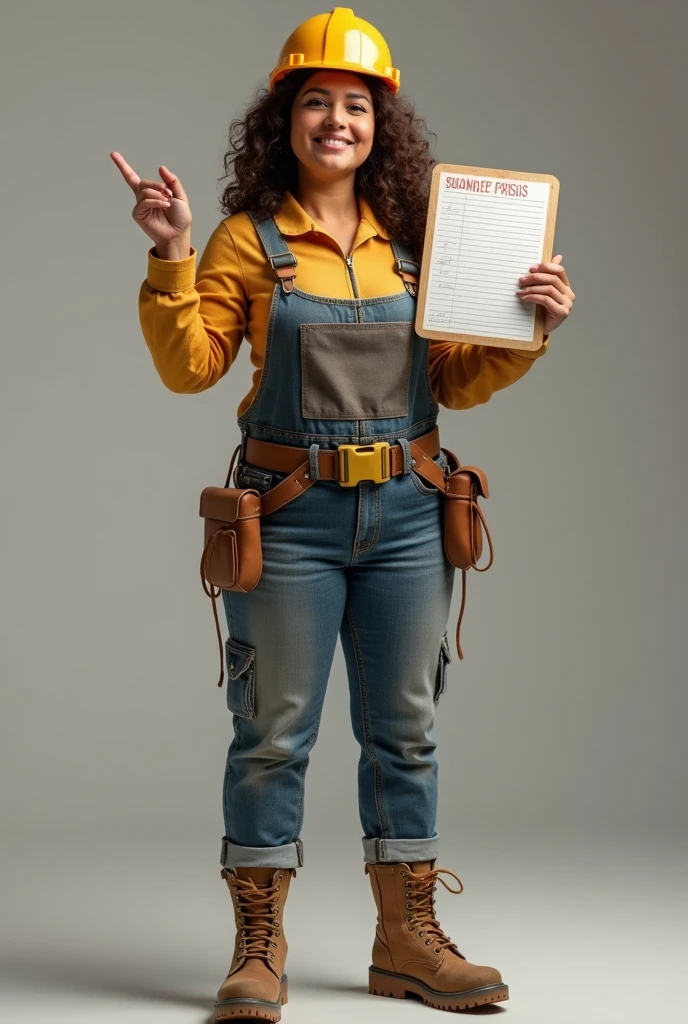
(482, 243)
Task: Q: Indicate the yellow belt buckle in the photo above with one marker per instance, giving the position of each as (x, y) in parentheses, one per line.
(363, 462)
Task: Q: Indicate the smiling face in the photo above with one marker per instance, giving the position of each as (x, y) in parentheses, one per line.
(332, 124)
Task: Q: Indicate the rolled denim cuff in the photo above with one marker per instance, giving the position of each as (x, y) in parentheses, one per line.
(400, 850)
(290, 855)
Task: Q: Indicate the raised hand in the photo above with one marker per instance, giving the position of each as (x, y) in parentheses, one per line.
(161, 210)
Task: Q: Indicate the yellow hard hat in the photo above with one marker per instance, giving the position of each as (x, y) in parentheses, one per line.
(337, 40)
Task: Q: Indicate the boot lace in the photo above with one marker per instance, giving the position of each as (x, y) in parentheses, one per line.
(419, 890)
(257, 912)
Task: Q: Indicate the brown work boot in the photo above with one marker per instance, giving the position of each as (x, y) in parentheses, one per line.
(256, 985)
(411, 953)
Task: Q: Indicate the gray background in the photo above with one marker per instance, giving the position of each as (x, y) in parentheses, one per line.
(562, 733)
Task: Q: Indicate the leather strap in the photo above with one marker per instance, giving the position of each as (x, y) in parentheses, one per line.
(282, 458)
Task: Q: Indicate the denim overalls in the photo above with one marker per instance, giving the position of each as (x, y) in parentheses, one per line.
(365, 563)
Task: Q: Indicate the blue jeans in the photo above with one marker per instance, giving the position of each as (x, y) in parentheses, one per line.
(365, 563)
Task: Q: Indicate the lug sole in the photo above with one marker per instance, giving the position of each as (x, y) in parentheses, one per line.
(398, 986)
(259, 1009)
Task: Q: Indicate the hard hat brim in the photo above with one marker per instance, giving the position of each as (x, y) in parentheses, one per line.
(279, 73)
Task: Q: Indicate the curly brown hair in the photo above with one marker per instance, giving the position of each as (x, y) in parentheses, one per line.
(394, 179)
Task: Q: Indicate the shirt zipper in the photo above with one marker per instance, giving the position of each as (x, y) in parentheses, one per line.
(349, 260)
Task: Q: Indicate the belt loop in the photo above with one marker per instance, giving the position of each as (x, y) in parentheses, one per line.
(314, 463)
(408, 457)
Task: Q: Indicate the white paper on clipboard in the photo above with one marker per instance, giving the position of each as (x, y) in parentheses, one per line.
(488, 231)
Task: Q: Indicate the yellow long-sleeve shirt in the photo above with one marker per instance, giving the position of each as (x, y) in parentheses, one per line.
(194, 321)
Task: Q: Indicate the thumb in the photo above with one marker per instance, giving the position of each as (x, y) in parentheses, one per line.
(557, 259)
(173, 183)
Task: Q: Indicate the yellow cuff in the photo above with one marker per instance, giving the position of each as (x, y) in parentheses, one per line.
(171, 275)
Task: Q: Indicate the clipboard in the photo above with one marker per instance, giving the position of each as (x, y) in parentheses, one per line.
(485, 228)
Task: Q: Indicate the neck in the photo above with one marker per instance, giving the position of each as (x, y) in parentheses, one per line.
(327, 202)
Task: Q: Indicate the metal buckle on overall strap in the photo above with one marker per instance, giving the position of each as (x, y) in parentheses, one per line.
(358, 462)
(282, 263)
(409, 273)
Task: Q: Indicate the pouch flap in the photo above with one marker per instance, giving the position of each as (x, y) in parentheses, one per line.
(480, 479)
(240, 658)
(463, 478)
(226, 504)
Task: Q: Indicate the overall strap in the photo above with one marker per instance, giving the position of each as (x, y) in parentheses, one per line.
(408, 269)
(280, 256)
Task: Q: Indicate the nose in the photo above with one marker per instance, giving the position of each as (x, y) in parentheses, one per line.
(335, 117)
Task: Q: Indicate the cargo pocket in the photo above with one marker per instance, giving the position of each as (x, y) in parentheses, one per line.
(444, 659)
(241, 678)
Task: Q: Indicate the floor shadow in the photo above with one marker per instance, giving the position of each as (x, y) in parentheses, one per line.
(154, 983)
(137, 980)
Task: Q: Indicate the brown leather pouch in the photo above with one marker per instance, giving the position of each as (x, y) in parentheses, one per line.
(463, 538)
(232, 556)
(463, 522)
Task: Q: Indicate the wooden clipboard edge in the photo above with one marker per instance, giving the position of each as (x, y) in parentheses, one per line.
(547, 248)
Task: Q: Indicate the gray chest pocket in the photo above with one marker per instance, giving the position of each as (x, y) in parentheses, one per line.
(356, 371)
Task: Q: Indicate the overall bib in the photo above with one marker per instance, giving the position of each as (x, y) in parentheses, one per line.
(365, 563)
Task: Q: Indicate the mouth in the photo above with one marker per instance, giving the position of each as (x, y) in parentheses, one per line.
(332, 142)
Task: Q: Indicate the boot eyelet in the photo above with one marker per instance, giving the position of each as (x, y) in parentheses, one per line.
(279, 878)
(408, 906)
(421, 933)
(427, 942)
(409, 917)
(403, 874)
(438, 951)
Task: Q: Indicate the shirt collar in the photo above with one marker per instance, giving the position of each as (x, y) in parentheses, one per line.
(292, 219)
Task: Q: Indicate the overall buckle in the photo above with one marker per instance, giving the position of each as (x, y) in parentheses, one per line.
(358, 462)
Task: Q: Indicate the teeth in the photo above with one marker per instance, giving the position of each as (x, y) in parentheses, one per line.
(333, 142)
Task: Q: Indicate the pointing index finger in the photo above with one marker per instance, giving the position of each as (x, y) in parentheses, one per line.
(128, 173)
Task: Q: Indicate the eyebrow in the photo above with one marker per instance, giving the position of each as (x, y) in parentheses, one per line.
(328, 92)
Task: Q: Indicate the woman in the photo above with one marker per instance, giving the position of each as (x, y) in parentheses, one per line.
(313, 264)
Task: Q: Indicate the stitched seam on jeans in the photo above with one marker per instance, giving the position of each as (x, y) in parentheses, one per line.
(237, 746)
(302, 774)
(367, 738)
(226, 788)
(352, 436)
(367, 545)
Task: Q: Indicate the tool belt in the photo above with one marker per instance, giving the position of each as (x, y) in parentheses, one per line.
(232, 555)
